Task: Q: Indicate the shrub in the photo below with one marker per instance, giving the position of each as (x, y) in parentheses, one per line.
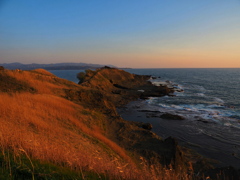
(81, 76)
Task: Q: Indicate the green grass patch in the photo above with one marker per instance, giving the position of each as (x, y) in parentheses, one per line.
(22, 168)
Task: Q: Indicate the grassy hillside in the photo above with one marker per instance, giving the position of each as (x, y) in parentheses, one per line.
(51, 128)
(38, 122)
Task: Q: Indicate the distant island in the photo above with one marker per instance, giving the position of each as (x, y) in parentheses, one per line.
(52, 66)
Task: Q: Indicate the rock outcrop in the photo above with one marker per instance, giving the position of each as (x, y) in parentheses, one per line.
(117, 88)
(147, 126)
(172, 116)
(94, 103)
(120, 86)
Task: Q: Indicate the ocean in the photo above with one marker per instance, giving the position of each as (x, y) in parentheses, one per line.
(212, 93)
(70, 75)
(209, 102)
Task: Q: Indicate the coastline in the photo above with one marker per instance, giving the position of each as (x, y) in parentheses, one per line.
(140, 111)
(95, 101)
(125, 91)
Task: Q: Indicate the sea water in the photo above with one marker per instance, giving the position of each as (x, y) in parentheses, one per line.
(209, 102)
(214, 94)
(70, 75)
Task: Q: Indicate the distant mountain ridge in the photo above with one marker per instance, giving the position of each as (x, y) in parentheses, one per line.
(52, 66)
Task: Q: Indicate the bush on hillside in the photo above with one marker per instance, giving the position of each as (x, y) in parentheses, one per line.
(81, 76)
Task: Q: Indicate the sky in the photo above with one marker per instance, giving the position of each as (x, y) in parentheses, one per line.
(124, 33)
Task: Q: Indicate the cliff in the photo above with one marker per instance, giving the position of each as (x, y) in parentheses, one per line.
(52, 128)
(121, 86)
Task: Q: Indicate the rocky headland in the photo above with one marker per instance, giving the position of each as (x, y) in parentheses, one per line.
(121, 88)
(85, 125)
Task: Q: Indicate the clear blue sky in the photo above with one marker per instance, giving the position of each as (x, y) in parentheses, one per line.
(125, 33)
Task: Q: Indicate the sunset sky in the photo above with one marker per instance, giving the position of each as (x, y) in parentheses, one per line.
(124, 33)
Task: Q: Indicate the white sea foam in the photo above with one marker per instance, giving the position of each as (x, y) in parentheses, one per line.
(179, 94)
(206, 113)
(217, 106)
(200, 105)
(214, 114)
(218, 100)
(227, 124)
(151, 101)
(177, 107)
(200, 94)
(196, 112)
(164, 106)
(169, 84)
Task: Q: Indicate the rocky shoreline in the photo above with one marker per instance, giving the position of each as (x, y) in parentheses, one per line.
(121, 88)
(164, 124)
(90, 113)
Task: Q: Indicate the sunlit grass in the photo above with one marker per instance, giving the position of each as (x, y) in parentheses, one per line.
(45, 127)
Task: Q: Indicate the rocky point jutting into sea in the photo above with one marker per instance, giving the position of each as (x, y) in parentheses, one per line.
(46, 119)
(126, 90)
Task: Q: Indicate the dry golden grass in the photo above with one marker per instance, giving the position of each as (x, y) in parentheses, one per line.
(41, 80)
(100, 79)
(45, 127)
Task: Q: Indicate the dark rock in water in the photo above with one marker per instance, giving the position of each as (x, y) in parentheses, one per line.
(153, 77)
(144, 97)
(147, 126)
(1, 68)
(148, 111)
(119, 86)
(152, 115)
(172, 116)
(202, 120)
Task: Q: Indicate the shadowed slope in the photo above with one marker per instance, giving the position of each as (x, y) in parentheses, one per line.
(56, 121)
(120, 86)
(46, 126)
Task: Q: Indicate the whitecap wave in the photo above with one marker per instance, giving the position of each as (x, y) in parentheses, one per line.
(200, 94)
(219, 100)
(217, 106)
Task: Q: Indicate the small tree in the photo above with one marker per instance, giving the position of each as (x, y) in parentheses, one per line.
(81, 76)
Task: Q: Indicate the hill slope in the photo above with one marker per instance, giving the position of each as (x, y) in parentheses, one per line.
(51, 128)
(38, 121)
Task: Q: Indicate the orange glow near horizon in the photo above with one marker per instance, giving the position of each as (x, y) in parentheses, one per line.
(155, 34)
(180, 60)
